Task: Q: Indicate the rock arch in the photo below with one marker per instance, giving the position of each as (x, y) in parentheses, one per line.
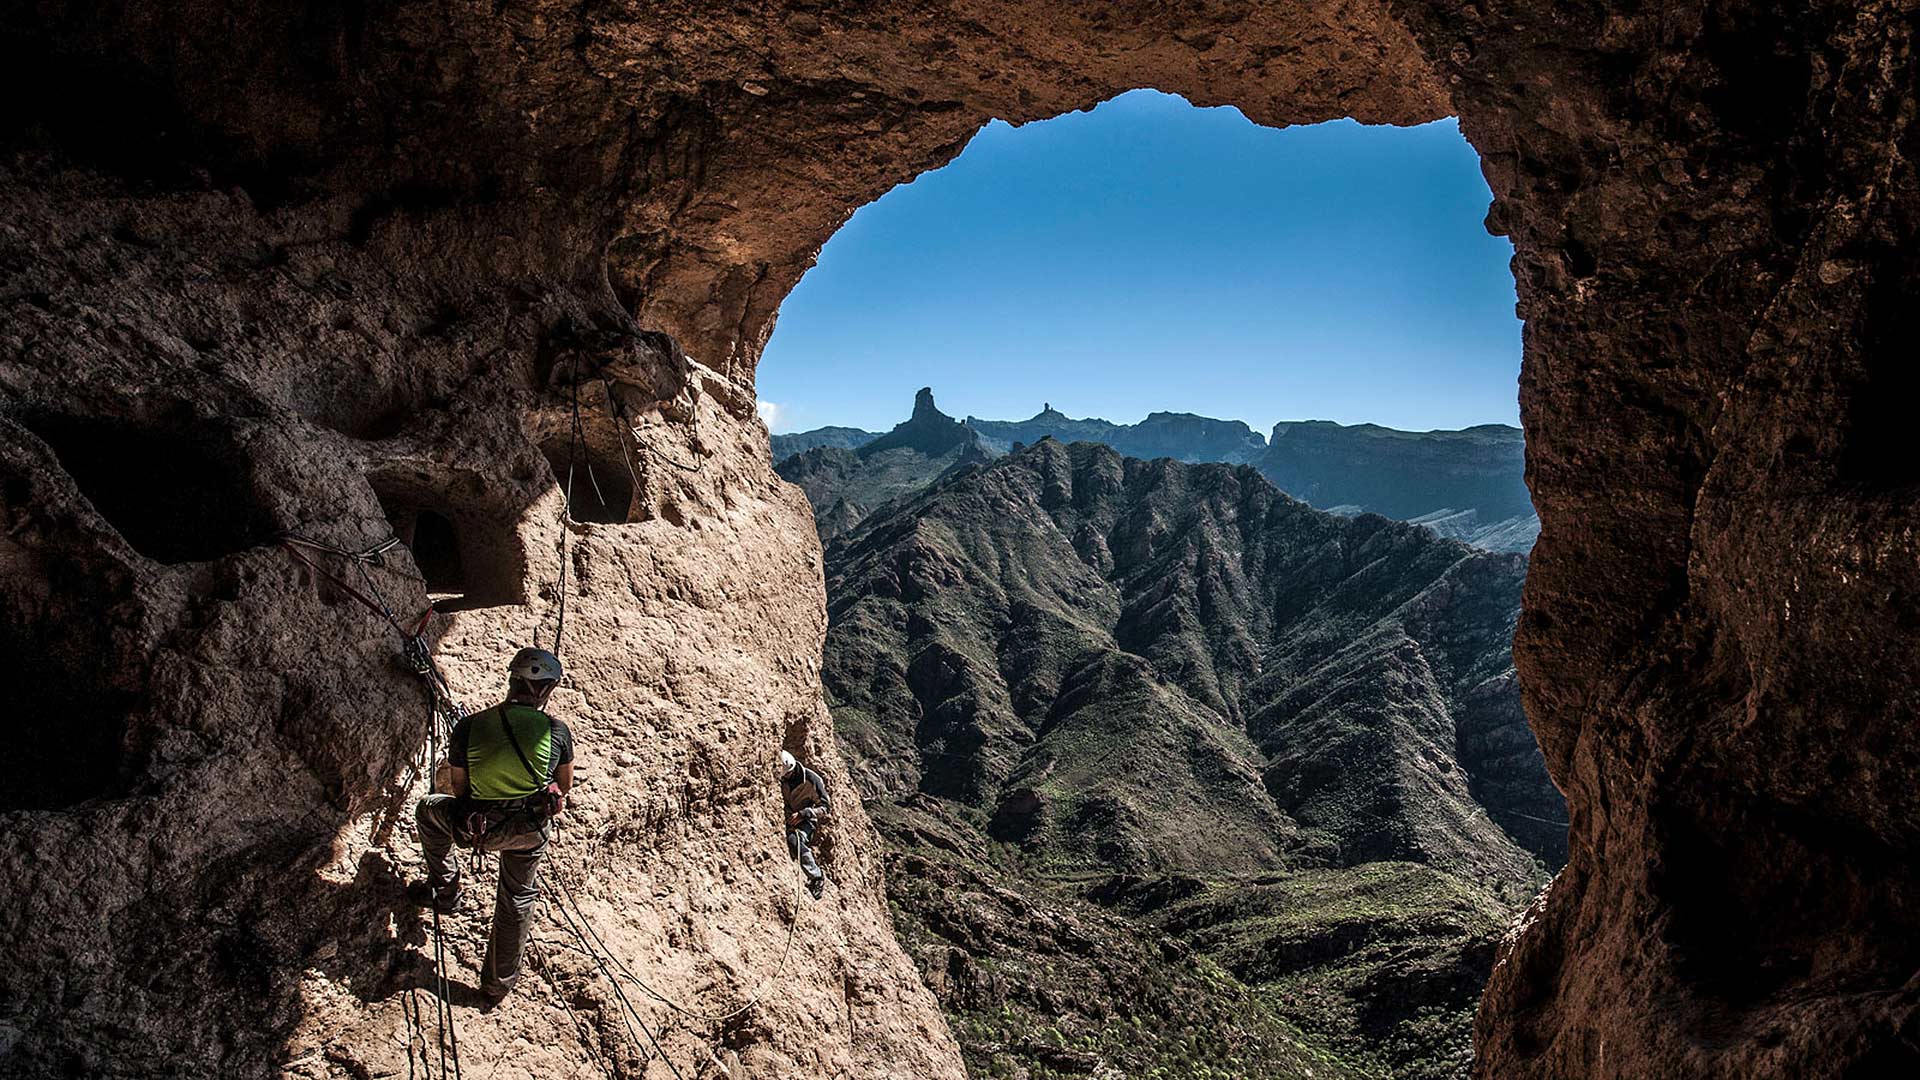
(1713, 207)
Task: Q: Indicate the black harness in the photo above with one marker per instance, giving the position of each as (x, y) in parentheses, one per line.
(542, 805)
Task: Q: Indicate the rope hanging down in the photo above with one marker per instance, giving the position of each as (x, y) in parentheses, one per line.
(442, 711)
(766, 984)
(629, 1014)
(574, 440)
(621, 424)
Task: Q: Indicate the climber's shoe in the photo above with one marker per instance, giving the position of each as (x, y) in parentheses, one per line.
(492, 996)
(817, 886)
(420, 894)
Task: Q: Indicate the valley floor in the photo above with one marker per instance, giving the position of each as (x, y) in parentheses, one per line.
(1338, 972)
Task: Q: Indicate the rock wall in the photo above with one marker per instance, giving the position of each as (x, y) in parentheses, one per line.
(338, 268)
(206, 866)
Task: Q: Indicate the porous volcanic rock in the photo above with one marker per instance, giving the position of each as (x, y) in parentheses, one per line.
(205, 866)
(264, 261)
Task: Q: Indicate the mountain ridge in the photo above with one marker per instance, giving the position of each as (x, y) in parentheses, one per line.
(1172, 695)
(1466, 484)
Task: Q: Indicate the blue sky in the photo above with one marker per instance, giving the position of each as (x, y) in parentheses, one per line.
(1148, 255)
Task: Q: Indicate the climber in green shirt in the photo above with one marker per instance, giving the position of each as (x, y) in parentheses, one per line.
(511, 767)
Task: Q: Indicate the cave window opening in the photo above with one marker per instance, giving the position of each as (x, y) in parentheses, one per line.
(1223, 290)
(1235, 312)
(603, 491)
(177, 493)
(467, 560)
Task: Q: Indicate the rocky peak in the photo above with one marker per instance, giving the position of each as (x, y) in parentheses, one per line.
(928, 431)
(924, 408)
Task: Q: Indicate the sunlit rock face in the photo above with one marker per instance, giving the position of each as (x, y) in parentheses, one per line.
(346, 270)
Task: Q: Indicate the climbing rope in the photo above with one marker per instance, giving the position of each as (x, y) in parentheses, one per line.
(443, 998)
(576, 923)
(575, 439)
(766, 984)
(371, 554)
(1541, 820)
(621, 424)
(446, 711)
(293, 544)
(442, 709)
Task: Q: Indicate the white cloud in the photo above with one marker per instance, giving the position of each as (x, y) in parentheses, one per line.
(772, 413)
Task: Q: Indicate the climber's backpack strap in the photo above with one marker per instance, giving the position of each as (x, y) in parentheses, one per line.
(544, 803)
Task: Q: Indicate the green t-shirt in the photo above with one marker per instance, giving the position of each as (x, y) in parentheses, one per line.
(494, 772)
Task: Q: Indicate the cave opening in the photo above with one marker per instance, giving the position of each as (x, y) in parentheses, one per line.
(1166, 284)
(467, 560)
(595, 476)
(436, 550)
(177, 493)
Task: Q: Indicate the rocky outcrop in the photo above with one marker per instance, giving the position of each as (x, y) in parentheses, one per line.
(226, 218)
(928, 431)
(1464, 485)
(845, 486)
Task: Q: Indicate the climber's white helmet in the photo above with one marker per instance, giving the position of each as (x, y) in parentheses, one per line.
(788, 763)
(535, 666)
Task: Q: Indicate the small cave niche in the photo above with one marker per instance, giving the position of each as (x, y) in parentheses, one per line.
(602, 490)
(436, 550)
(467, 560)
(1877, 454)
(177, 493)
(68, 683)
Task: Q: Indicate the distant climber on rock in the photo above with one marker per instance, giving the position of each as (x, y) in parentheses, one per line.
(511, 766)
(807, 808)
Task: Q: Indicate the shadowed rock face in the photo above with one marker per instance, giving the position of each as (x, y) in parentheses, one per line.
(349, 246)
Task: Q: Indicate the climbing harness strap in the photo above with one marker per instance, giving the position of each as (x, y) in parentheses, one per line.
(549, 800)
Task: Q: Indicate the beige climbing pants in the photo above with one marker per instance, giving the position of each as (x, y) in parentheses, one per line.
(522, 843)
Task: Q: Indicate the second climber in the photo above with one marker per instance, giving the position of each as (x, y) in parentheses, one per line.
(807, 807)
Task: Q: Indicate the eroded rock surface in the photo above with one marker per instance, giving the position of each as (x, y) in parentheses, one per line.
(285, 257)
(205, 873)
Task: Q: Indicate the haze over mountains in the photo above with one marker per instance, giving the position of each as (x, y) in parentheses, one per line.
(1467, 484)
(1172, 765)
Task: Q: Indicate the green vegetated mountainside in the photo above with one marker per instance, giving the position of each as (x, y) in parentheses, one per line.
(1182, 777)
(1468, 485)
